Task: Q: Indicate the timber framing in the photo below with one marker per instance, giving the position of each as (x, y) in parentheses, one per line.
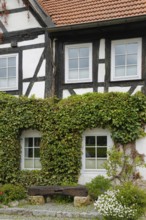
(92, 34)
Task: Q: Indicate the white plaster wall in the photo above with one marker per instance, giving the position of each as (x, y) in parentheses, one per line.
(20, 21)
(25, 86)
(38, 40)
(38, 90)
(13, 4)
(101, 89)
(101, 72)
(5, 46)
(83, 91)
(30, 61)
(138, 88)
(102, 49)
(65, 94)
(119, 89)
(141, 148)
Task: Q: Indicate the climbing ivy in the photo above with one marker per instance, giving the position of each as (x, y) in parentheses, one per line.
(62, 123)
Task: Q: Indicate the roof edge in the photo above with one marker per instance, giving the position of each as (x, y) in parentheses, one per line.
(46, 18)
(97, 24)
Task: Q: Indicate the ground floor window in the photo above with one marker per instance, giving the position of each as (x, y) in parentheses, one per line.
(30, 142)
(96, 151)
(95, 145)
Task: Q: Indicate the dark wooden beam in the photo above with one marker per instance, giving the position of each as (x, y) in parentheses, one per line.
(107, 64)
(95, 64)
(49, 83)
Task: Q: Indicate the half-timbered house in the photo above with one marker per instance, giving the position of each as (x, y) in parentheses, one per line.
(23, 49)
(100, 46)
(74, 47)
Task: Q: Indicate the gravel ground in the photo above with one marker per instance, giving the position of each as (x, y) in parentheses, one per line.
(58, 211)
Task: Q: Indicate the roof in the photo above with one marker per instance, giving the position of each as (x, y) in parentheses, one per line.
(70, 12)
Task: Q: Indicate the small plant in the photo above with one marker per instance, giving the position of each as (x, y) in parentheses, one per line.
(62, 199)
(98, 186)
(122, 163)
(126, 202)
(9, 192)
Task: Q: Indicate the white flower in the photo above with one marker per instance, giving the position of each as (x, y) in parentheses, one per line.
(108, 206)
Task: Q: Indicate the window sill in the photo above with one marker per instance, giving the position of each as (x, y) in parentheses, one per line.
(125, 79)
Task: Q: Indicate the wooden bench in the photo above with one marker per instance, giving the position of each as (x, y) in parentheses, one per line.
(57, 190)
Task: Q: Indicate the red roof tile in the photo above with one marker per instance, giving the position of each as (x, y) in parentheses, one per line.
(68, 12)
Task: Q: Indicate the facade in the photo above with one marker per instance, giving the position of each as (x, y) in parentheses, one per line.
(75, 47)
(23, 50)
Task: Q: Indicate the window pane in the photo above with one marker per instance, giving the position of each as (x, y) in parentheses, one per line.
(102, 152)
(11, 72)
(120, 49)
(90, 164)
(3, 72)
(84, 74)
(120, 71)
(100, 163)
(3, 62)
(73, 74)
(73, 63)
(131, 59)
(12, 61)
(36, 152)
(37, 164)
(120, 60)
(28, 163)
(101, 140)
(131, 70)
(37, 142)
(12, 82)
(90, 152)
(28, 142)
(28, 152)
(90, 140)
(132, 48)
(84, 52)
(84, 63)
(3, 83)
(73, 52)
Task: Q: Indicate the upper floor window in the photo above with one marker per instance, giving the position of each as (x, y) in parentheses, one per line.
(30, 141)
(78, 63)
(126, 59)
(9, 72)
(95, 145)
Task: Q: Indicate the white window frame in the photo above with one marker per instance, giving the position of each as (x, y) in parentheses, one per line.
(67, 47)
(94, 132)
(28, 134)
(15, 87)
(139, 59)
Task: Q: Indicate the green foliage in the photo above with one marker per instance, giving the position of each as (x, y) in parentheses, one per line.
(121, 165)
(62, 199)
(62, 124)
(97, 186)
(131, 195)
(127, 202)
(10, 192)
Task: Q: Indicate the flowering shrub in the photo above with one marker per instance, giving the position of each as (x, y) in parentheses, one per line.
(9, 192)
(109, 207)
(126, 202)
(1, 196)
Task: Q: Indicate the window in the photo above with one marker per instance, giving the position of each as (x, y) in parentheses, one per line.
(31, 150)
(78, 63)
(9, 72)
(95, 145)
(126, 59)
